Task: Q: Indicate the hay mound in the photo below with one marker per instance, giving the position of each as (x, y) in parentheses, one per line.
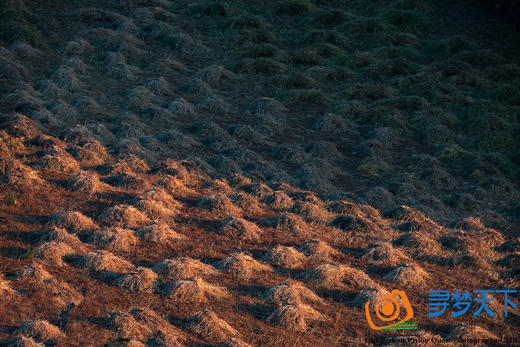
(468, 331)
(267, 106)
(279, 200)
(58, 160)
(385, 254)
(208, 325)
(156, 323)
(233, 342)
(287, 257)
(310, 211)
(115, 239)
(127, 180)
(295, 316)
(410, 274)
(127, 327)
(318, 250)
(41, 330)
(17, 174)
(288, 292)
(218, 204)
(53, 252)
(104, 261)
(159, 233)
(179, 268)
(260, 190)
(373, 294)
(22, 341)
(35, 272)
(140, 280)
(5, 288)
(285, 222)
(61, 235)
(90, 153)
(215, 73)
(242, 265)
(157, 204)
(421, 244)
(247, 203)
(123, 216)
(195, 290)
(238, 228)
(72, 220)
(337, 275)
(85, 182)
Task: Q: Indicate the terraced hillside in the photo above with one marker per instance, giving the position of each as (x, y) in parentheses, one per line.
(251, 173)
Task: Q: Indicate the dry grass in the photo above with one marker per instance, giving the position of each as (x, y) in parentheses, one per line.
(243, 266)
(290, 292)
(86, 182)
(318, 250)
(124, 216)
(407, 274)
(195, 290)
(157, 204)
(295, 316)
(238, 228)
(337, 275)
(41, 330)
(52, 252)
(180, 268)
(22, 341)
(287, 257)
(35, 272)
(127, 327)
(58, 160)
(383, 253)
(5, 288)
(159, 232)
(115, 239)
(208, 325)
(140, 280)
(72, 220)
(471, 332)
(288, 222)
(219, 205)
(104, 261)
(374, 294)
(61, 235)
(279, 200)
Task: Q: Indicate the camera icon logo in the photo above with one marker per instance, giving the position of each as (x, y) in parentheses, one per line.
(388, 310)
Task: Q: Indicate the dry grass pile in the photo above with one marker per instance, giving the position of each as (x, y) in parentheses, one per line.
(127, 180)
(22, 341)
(238, 228)
(127, 327)
(311, 212)
(61, 294)
(5, 288)
(337, 275)
(233, 342)
(421, 245)
(215, 73)
(156, 323)
(317, 250)
(58, 160)
(86, 182)
(159, 232)
(383, 253)
(115, 239)
(208, 325)
(374, 294)
(180, 268)
(287, 222)
(140, 280)
(195, 290)
(289, 292)
(471, 332)
(286, 257)
(279, 200)
(124, 216)
(295, 316)
(247, 203)
(483, 237)
(157, 204)
(407, 274)
(61, 235)
(17, 174)
(267, 106)
(259, 190)
(218, 204)
(52, 252)
(42, 331)
(73, 221)
(90, 153)
(242, 265)
(104, 261)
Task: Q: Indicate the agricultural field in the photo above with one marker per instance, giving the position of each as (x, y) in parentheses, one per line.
(243, 173)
